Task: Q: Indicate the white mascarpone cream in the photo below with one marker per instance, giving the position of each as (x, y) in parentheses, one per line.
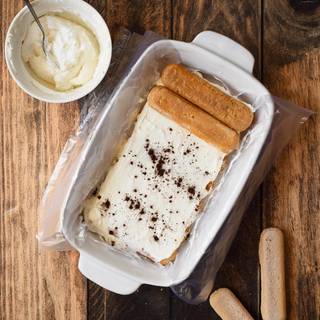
(151, 195)
(72, 52)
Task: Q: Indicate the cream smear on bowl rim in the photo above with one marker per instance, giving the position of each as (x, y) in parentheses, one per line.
(72, 53)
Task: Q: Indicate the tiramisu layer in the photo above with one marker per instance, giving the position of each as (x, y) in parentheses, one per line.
(152, 194)
(159, 183)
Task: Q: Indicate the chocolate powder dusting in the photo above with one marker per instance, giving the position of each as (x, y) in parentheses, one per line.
(178, 182)
(137, 205)
(192, 190)
(159, 167)
(162, 158)
(159, 161)
(187, 152)
(147, 145)
(152, 155)
(106, 205)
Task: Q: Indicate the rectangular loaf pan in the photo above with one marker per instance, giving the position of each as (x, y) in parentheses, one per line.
(214, 55)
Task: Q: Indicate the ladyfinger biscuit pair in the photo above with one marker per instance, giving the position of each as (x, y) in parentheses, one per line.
(273, 292)
(194, 119)
(229, 110)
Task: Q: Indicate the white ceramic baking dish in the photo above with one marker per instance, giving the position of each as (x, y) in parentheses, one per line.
(212, 54)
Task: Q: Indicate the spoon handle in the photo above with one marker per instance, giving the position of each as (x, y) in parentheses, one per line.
(29, 5)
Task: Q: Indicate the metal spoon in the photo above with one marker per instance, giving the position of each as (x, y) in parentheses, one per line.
(28, 4)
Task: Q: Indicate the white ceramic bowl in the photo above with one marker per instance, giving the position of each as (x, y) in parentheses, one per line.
(16, 32)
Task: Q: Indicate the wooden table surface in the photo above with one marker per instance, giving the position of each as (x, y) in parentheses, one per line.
(284, 37)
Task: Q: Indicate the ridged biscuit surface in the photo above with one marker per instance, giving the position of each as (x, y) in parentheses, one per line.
(189, 116)
(229, 110)
(273, 291)
(227, 305)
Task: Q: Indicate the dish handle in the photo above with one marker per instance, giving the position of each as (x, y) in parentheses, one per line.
(104, 277)
(226, 48)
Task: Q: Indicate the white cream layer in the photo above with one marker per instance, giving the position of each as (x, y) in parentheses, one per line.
(72, 52)
(151, 194)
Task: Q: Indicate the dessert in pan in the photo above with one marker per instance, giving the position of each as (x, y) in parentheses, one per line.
(157, 187)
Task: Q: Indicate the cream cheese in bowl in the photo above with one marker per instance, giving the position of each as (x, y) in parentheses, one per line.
(72, 52)
(78, 50)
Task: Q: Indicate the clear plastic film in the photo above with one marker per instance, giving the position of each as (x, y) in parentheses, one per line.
(287, 119)
(107, 119)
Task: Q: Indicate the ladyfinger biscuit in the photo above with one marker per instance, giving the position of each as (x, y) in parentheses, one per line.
(166, 261)
(227, 305)
(273, 291)
(193, 119)
(229, 110)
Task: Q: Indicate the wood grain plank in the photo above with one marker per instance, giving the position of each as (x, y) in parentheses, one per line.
(291, 191)
(139, 16)
(148, 302)
(240, 20)
(34, 284)
(96, 301)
